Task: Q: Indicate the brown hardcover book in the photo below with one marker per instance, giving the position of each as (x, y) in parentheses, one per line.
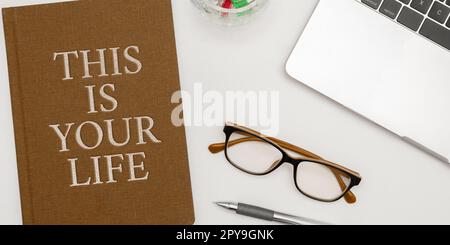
(91, 85)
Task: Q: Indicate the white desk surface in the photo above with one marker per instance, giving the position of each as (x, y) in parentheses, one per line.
(401, 184)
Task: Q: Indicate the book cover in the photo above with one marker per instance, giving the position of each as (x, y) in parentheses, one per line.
(91, 84)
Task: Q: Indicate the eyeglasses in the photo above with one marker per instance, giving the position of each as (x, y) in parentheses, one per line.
(315, 177)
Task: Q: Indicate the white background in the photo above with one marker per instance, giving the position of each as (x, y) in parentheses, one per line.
(401, 184)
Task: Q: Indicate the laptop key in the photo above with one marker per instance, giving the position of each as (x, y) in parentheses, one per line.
(421, 5)
(436, 33)
(410, 18)
(372, 3)
(439, 12)
(390, 8)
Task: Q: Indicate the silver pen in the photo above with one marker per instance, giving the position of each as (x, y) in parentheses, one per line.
(266, 214)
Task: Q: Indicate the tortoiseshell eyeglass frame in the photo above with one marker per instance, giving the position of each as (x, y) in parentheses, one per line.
(252, 135)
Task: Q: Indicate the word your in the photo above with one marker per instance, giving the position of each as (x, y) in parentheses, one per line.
(98, 131)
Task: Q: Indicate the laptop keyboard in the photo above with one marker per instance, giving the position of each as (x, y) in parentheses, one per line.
(429, 18)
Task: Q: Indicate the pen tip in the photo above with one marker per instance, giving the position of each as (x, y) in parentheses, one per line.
(222, 204)
(228, 205)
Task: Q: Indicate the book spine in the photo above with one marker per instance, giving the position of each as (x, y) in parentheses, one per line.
(9, 22)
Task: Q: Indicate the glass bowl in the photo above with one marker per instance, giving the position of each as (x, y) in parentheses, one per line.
(230, 12)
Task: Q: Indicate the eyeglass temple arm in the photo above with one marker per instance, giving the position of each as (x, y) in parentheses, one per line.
(349, 196)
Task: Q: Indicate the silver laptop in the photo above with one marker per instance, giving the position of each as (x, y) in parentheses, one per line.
(388, 60)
